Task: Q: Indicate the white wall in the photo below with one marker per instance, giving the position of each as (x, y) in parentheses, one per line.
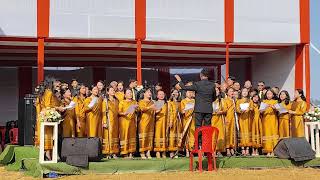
(8, 95)
(92, 18)
(18, 17)
(276, 69)
(187, 20)
(267, 21)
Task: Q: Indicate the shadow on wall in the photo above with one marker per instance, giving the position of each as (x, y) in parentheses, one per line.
(276, 69)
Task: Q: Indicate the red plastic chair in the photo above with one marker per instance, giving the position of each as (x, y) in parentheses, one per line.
(209, 142)
(13, 133)
(3, 135)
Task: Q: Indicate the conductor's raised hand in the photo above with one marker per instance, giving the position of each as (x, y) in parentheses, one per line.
(178, 78)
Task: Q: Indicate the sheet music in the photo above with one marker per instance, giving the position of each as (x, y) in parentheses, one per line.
(263, 106)
(215, 107)
(131, 109)
(281, 108)
(93, 102)
(189, 106)
(244, 106)
(71, 105)
(159, 104)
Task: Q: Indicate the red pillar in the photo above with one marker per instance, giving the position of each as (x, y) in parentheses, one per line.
(227, 61)
(229, 21)
(299, 67)
(40, 61)
(305, 21)
(139, 62)
(307, 71)
(43, 11)
(228, 29)
(140, 33)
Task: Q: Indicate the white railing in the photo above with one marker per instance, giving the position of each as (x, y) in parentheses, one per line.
(54, 156)
(312, 129)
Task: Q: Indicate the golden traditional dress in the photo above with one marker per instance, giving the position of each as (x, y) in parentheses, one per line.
(146, 126)
(120, 96)
(297, 122)
(187, 116)
(256, 127)
(48, 99)
(174, 130)
(269, 127)
(81, 116)
(229, 123)
(69, 121)
(160, 143)
(37, 131)
(245, 120)
(218, 121)
(127, 128)
(110, 142)
(284, 122)
(93, 117)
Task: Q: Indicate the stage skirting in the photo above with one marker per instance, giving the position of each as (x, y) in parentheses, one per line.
(25, 158)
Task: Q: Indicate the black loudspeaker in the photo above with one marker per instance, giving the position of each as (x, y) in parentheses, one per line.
(27, 120)
(78, 151)
(297, 149)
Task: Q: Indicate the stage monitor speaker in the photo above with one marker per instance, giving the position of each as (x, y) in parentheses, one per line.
(79, 151)
(297, 149)
(27, 122)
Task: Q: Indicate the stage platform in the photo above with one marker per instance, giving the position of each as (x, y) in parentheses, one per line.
(25, 158)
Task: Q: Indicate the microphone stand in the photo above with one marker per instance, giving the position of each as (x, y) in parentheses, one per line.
(108, 126)
(236, 127)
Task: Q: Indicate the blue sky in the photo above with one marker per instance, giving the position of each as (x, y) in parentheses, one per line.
(315, 57)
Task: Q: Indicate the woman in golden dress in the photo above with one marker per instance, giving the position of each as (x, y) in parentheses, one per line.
(188, 122)
(245, 120)
(256, 126)
(80, 111)
(146, 125)
(160, 143)
(119, 91)
(270, 134)
(110, 108)
(93, 110)
(298, 109)
(127, 125)
(284, 118)
(69, 115)
(229, 122)
(174, 124)
(48, 99)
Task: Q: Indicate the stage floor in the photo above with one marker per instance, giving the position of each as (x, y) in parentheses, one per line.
(26, 158)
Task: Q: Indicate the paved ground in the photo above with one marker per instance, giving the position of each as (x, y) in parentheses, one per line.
(227, 174)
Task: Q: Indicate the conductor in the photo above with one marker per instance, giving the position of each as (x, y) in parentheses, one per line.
(205, 95)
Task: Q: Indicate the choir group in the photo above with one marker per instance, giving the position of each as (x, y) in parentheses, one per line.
(144, 120)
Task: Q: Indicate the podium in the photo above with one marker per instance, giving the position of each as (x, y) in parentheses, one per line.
(54, 158)
(313, 128)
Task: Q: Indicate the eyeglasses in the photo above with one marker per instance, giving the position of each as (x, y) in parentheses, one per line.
(260, 85)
